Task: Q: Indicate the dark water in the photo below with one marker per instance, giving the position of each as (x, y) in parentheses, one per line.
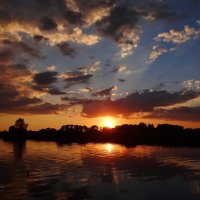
(98, 171)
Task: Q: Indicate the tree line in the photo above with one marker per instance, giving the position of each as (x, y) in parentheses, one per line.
(128, 134)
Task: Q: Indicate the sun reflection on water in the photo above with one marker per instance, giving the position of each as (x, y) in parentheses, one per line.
(109, 148)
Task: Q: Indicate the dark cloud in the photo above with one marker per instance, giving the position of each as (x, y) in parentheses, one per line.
(25, 48)
(6, 55)
(7, 92)
(125, 30)
(92, 57)
(80, 79)
(104, 92)
(178, 113)
(195, 4)
(55, 91)
(19, 66)
(14, 72)
(45, 78)
(80, 75)
(48, 89)
(123, 18)
(145, 101)
(160, 86)
(87, 5)
(47, 24)
(11, 101)
(45, 108)
(43, 82)
(4, 16)
(31, 10)
(107, 65)
(13, 49)
(160, 11)
(12, 81)
(40, 88)
(39, 38)
(47, 14)
(111, 25)
(31, 106)
(15, 92)
(74, 17)
(66, 49)
(121, 80)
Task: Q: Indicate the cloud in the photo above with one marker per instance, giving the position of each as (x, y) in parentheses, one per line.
(157, 51)
(66, 49)
(120, 68)
(160, 86)
(48, 89)
(18, 105)
(178, 37)
(16, 76)
(174, 37)
(125, 30)
(81, 75)
(6, 55)
(104, 92)
(17, 99)
(26, 26)
(12, 100)
(79, 79)
(51, 68)
(43, 82)
(31, 106)
(66, 21)
(45, 108)
(39, 38)
(50, 20)
(45, 78)
(7, 92)
(93, 11)
(198, 22)
(178, 113)
(16, 94)
(16, 50)
(87, 89)
(121, 80)
(115, 69)
(47, 24)
(160, 11)
(55, 91)
(74, 17)
(145, 101)
(191, 85)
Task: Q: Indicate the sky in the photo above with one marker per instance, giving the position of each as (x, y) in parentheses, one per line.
(82, 61)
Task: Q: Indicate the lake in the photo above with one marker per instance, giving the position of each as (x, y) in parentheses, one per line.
(46, 170)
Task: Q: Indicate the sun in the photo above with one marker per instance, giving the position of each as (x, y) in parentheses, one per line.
(109, 122)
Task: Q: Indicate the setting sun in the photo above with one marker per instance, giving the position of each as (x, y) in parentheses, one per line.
(109, 122)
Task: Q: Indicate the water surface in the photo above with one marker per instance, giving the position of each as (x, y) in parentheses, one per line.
(45, 170)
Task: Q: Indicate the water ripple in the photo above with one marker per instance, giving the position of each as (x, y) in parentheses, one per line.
(44, 170)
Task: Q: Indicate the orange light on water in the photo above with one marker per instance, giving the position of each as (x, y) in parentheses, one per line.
(109, 148)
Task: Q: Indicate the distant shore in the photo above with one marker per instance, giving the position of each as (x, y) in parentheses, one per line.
(163, 134)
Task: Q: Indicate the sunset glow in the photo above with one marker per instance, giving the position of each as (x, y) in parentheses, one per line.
(91, 91)
(109, 123)
(74, 62)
